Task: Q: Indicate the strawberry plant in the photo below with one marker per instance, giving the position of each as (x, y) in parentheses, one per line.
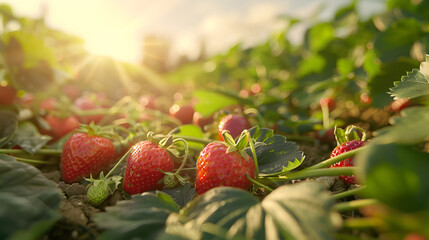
(250, 156)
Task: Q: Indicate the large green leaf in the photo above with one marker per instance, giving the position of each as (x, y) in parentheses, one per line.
(380, 84)
(29, 202)
(414, 84)
(190, 131)
(209, 102)
(274, 153)
(320, 36)
(28, 138)
(395, 175)
(410, 128)
(398, 39)
(301, 211)
(8, 126)
(142, 217)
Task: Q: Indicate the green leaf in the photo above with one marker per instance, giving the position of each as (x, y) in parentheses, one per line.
(320, 36)
(398, 39)
(34, 48)
(410, 128)
(182, 194)
(313, 64)
(275, 154)
(209, 102)
(414, 84)
(300, 211)
(345, 66)
(8, 126)
(29, 202)
(380, 84)
(261, 134)
(142, 217)
(395, 175)
(28, 138)
(190, 131)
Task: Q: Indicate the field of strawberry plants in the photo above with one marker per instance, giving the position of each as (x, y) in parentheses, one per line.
(327, 139)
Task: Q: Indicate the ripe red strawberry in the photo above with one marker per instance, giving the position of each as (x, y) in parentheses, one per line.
(365, 98)
(144, 163)
(85, 154)
(7, 95)
(85, 102)
(201, 121)
(327, 101)
(348, 140)
(184, 113)
(224, 164)
(216, 167)
(399, 104)
(60, 126)
(235, 124)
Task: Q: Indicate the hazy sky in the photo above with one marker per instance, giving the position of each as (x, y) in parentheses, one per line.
(117, 27)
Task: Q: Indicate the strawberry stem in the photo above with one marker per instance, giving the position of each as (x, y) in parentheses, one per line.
(328, 162)
(252, 148)
(325, 116)
(347, 171)
(349, 193)
(32, 161)
(355, 204)
(258, 183)
(119, 162)
(41, 151)
(185, 155)
(361, 223)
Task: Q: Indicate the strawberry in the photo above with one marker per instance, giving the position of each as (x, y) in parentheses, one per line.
(85, 102)
(98, 192)
(399, 104)
(235, 124)
(145, 164)
(7, 95)
(184, 113)
(365, 98)
(327, 101)
(347, 140)
(85, 154)
(201, 121)
(217, 166)
(148, 101)
(60, 126)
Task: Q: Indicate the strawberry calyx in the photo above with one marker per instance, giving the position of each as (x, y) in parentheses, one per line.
(349, 134)
(239, 146)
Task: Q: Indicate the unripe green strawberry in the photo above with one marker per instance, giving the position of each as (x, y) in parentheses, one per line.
(98, 192)
(216, 167)
(144, 165)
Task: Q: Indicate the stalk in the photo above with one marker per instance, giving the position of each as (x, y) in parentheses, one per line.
(118, 163)
(328, 162)
(355, 204)
(33, 161)
(315, 173)
(258, 183)
(362, 223)
(349, 193)
(41, 151)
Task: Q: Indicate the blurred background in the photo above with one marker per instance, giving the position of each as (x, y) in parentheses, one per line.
(171, 32)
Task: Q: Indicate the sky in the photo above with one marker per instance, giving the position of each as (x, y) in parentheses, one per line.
(116, 27)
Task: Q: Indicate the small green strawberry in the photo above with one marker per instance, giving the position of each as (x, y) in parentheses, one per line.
(101, 188)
